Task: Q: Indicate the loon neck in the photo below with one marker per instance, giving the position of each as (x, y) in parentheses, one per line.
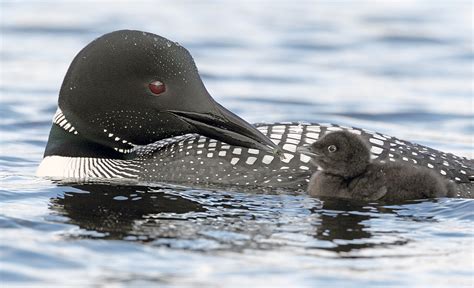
(64, 143)
(65, 140)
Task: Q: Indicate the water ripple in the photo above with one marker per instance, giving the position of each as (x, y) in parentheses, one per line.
(400, 69)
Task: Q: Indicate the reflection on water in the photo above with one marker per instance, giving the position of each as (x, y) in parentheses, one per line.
(167, 216)
(112, 210)
(345, 224)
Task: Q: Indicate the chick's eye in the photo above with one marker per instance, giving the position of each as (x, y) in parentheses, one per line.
(332, 148)
(157, 87)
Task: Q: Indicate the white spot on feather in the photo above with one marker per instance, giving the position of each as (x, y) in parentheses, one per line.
(376, 150)
(287, 157)
(289, 147)
(267, 159)
(253, 151)
(305, 158)
(251, 160)
(376, 141)
(312, 135)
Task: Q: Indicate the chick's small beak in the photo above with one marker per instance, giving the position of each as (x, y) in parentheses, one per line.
(306, 150)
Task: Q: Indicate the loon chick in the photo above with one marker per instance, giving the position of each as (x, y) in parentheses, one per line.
(132, 106)
(348, 172)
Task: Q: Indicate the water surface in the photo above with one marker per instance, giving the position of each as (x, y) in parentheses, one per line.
(400, 68)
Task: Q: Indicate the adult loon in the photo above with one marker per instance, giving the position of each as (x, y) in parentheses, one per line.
(133, 106)
(348, 172)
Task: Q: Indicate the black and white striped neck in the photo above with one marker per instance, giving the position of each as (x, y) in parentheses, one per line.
(70, 155)
(66, 140)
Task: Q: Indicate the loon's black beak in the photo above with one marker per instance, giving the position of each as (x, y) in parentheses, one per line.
(221, 124)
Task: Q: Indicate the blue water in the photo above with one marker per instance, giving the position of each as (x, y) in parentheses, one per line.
(403, 68)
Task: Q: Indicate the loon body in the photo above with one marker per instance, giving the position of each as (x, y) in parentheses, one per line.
(348, 172)
(132, 106)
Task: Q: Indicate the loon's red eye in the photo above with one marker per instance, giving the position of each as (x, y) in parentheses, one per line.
(157, 87)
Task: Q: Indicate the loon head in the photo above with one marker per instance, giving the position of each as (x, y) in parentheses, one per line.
(134, 88)
(341, 153)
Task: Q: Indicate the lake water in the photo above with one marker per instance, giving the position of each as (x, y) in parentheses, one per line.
(403, 68)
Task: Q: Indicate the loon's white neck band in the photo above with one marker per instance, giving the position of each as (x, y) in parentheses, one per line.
(85, 168)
